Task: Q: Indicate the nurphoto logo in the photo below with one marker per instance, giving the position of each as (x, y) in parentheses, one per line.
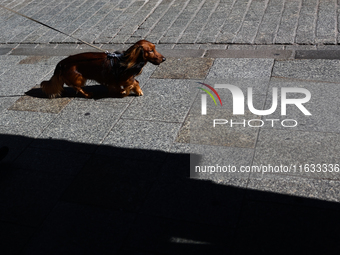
(239, 103)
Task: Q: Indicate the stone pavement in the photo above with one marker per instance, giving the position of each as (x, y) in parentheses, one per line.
(117, 176)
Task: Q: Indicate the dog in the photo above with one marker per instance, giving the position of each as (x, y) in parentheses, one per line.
(115, 70)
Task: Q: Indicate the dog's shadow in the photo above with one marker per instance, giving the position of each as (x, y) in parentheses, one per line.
(97, 91)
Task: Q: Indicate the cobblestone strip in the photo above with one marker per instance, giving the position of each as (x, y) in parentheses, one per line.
(92, 21)
(11, 25)
(64, 19)
(48, 19)
(28, 26)
(338, 22)
(305, 33)
(151, 21)
(199, 22)
(270, 22)
(325, 25)
(233, 22)
(215, 22)
(173, 14)
(289, 22)
(16, 5)
(251, 22)
(81, 15)
(131, 25)
(110, 17)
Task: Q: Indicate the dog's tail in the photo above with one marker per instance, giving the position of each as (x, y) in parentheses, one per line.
(54, 87)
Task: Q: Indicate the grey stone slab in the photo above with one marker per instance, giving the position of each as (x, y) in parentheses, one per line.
(182, 53)
(235, 132)
(7, 61)
(33, 59)
(241, 68)
(142, 136)
(163, 100)
(91, 229)
(27, 198)
(22, 120)
(4, 51)
(183, 135)
(323, 106)
(298, 150)
(183, 68)
(187, 46)
(83, 122)
(319, 54)
(313, 69)
(35, 104)
(20, 78)
(300, 47)
(48, 52)
(211, 46)
(6, 102)
(109, 181)
(272, 54)
(163, 236)
(325, 190)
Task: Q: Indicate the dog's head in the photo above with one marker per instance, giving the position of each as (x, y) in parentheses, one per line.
(144, 51)
(149, 52)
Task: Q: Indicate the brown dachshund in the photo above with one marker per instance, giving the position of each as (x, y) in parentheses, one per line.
(116, 70)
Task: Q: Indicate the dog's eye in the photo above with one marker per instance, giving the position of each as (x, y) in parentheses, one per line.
(150, 51)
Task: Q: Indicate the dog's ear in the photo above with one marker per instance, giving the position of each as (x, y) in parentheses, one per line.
(135, 55)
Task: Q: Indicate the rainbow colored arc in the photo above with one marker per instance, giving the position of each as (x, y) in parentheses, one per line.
(208, 92)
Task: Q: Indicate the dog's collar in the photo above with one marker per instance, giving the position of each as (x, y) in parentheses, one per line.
(113, 55)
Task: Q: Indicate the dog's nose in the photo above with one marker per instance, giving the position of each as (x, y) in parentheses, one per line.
(163, 59)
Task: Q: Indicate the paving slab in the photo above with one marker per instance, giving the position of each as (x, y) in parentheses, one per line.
(273, 54)
(311, 69)
(13, 84)
(183, 68)
(166, 100)
(234, 133)
(320, 54)
(34, 104)
(298, 150)
(83, 121)
(4, 51)
(241, 68)
(316, 190)
(323, 106)
(26, 121)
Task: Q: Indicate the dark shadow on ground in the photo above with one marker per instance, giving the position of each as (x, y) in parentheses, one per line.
(98, 92)
(60, 197)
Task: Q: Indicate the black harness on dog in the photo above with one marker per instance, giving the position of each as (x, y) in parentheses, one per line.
(114, 58)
